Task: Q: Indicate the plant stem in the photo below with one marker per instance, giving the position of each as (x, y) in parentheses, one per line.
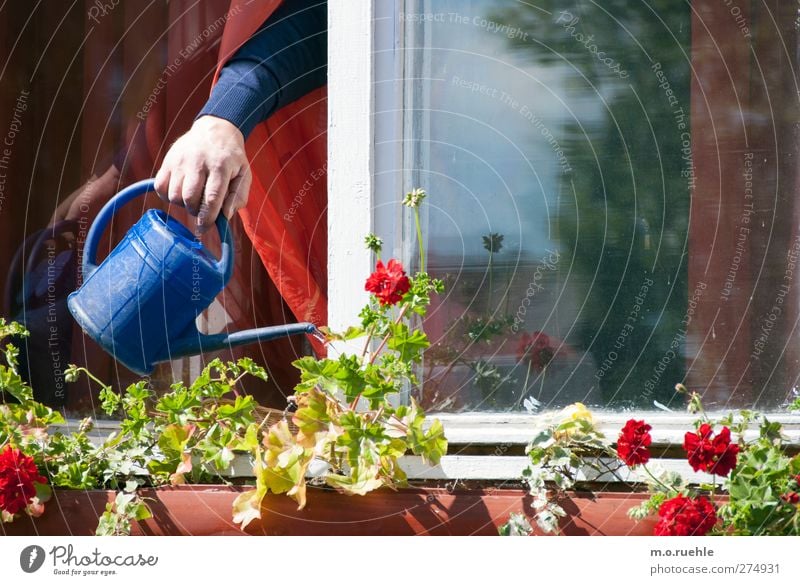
(419, 240)
(370, 333)
(235, 381)
(94, 378)
(388, 335)
(713, 487)
(378, 351)
(655, 479)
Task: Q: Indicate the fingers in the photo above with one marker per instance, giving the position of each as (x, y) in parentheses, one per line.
(192, 191)
(237, 193)
(204, 192)
(175, 191)
(217, 184)
(161, 181)
(206, 170)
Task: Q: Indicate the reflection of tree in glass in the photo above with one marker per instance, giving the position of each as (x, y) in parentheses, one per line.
(626, 220)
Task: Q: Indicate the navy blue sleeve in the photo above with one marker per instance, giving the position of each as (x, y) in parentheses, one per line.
(283, 61)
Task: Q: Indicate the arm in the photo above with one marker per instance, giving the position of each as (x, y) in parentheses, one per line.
(206, 169)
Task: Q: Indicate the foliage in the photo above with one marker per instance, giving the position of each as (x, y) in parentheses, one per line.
(472, 341)
(517, 525)
(762, 484)
(559, 453)
(760, 478)
(349, 419)
(349, 428)
(187, 434)
(615, 247)
(119, 516)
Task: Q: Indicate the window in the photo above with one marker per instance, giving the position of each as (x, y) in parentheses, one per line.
(85, 86)
(612, 190)
(612, 198)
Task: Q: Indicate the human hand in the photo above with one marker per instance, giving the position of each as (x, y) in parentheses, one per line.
(206, 170)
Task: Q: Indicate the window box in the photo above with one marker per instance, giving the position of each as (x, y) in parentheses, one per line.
(205, 510)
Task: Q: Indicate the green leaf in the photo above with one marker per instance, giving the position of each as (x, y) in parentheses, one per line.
(240, 411)
(12, 329)
(344, 374)
(13, 384)
(250, 440)
(285, 463)
(109, 400)
(517, 525)
(313, 416)
(314, 372)
(178, 402)
(249, 366)
(434, 444)
(409, 344)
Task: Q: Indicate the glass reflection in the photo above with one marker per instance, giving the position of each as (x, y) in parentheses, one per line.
(597, 173)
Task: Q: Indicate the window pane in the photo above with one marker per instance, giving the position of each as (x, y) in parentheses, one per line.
(90, 93)
(611, 200)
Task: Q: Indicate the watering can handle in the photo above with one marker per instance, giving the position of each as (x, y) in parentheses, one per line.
(224, 264)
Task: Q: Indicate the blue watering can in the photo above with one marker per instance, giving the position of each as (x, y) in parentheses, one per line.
(140, 304)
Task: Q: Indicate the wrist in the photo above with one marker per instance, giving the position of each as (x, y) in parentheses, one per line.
(217, 125)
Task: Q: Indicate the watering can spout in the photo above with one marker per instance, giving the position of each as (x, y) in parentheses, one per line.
(200, 343)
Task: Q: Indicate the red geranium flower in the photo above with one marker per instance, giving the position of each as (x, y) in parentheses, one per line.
(633, 443)
(537, 347)
(715, 455)
(388, 283)
(791, 498)
(18, 473)
(682, 516)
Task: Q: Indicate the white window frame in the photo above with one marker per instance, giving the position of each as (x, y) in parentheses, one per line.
(365, 75)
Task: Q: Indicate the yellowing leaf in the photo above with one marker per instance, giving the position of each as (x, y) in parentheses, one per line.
(285, 463)
(247, 506)
(185, 466)
(361, 480)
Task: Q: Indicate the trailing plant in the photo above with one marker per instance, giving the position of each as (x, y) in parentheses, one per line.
(561, 453)
(348, 429)
(349, 421)
(745, 455)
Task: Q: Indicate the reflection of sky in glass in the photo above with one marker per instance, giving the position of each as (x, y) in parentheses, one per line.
(496, 124)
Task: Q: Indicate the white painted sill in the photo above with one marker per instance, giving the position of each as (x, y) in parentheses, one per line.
(502, 431)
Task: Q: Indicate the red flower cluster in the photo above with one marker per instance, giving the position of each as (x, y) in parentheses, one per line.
(537, 347)
(715, 455)
(389, 283)
(791, 498)
(18, 473)
(682, 516)
(633, 443)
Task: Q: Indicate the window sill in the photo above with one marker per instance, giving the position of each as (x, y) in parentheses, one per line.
(504, 431)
